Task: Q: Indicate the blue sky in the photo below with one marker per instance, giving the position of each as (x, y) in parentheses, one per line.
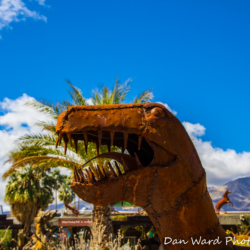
(193, 54)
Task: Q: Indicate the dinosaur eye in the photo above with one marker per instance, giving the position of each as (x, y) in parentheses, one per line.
(159, 112)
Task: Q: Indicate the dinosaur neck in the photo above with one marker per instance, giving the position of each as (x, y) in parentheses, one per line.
(192, 216)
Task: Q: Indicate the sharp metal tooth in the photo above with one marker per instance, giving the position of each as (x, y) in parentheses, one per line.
(103, 172)
(76, 144)
(87, 174)
(65, 139)
(138, 161)
(59, 139)
(117, 169)
(69, 137)
(100, 137)
(90, 178)
(81, 175)
(99, 172)
(139, 141)
(65, 148)
(93, 175)
(76, 176)
(112, 134)
(97, 147)
(125, 138)
(86, 142)
(112, 170)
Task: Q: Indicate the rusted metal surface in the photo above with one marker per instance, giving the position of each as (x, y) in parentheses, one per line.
(74, 210)
(225, 200)
(163, 172)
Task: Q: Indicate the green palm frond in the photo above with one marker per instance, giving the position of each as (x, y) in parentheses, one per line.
(103, 95)
(36, 139)
(144, 97)
(76, 95)
(66, 104)
(58, 107)
(28, 151)
(45, 108)
(42, 161)
(96, 98)
(120, 91)
(47, 126)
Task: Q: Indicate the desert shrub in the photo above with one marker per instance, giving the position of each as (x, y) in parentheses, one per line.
(7, 238)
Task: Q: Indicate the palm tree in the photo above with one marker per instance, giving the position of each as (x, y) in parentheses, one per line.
(118, 94)
(59, 179)
(66, 194)
(28, 190)
(37, 148)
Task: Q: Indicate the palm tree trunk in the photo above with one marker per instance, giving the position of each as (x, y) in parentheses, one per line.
(56, 199)
(102, 214)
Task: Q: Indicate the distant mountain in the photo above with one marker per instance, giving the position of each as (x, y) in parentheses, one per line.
(240, 195)
(88, 206)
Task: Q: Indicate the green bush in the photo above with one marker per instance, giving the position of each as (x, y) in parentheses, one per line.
(119, 217)
(6, 242)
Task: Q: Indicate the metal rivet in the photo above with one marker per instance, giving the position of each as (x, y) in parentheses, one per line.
(150, 205)
(149, 197)
(153, 182)
(156, 174)
(126, 182)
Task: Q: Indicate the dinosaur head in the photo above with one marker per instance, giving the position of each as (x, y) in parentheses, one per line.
(156, 152)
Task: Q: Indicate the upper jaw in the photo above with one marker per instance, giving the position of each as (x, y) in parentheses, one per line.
(123, 126)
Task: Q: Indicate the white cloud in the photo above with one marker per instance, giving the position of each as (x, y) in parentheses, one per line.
(16, 119)
(89, 101)
(221, 165)
(128, 81)
(15, 11)
(41, 2)
(194, 130)
(171, 110)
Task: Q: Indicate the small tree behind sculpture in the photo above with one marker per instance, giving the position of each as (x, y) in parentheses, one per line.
(59, 181)
(27, 191)
(66, 195)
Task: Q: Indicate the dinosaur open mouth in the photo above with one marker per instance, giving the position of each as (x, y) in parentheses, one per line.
(132, 151)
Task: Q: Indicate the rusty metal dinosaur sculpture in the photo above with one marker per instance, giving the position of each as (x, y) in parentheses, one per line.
(42, 235)
(163, 172)
(74, 210)
(223, 201)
